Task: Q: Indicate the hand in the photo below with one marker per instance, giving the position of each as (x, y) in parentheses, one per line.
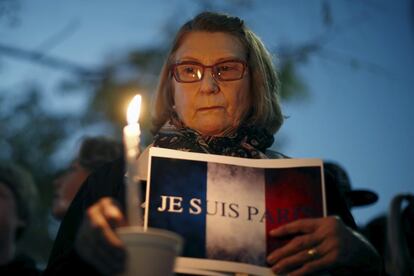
(322, 244)
(97, 242)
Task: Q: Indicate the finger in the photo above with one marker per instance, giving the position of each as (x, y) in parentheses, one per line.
(295, 261)
(112, 214)
(297, 244)
(301, 226)
(317, 265)
(111, 211)
(100, 228)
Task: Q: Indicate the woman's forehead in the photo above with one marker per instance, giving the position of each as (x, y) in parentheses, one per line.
(208, 48)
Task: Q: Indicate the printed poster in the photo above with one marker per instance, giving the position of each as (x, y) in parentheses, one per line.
(224, 207)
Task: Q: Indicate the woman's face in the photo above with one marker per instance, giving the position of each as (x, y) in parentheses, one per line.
(211, 106)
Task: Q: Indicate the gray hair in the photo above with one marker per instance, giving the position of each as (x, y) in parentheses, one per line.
(265, 109)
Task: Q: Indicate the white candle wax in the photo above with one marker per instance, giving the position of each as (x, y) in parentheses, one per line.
(131, 136)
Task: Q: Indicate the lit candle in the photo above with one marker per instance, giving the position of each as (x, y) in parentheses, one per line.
(131, 143)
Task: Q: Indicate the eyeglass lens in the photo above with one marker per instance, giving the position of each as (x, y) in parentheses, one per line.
(224, 71)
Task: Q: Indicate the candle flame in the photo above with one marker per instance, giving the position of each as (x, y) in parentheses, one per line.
(134, 109)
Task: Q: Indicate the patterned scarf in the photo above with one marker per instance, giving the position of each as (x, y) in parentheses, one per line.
(247, 141)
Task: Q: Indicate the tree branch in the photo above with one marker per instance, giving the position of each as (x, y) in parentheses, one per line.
(49, 61)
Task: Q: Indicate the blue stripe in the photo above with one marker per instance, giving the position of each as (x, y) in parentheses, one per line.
(186, 180)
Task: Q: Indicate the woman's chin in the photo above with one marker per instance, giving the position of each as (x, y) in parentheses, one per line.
(211, 130)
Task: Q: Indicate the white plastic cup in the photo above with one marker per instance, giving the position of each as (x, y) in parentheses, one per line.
(151, 252)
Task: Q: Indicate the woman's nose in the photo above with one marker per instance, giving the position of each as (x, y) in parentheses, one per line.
(209, 84)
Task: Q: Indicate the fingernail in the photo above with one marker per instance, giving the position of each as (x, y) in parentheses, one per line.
(271, 257)
(276, 269)
(269, 260)
(113, 211)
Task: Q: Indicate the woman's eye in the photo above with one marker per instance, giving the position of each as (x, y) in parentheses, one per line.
(225, 68)
(228, 68)
(189, 70)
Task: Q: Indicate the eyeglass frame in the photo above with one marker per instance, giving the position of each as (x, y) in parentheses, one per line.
(217, 78)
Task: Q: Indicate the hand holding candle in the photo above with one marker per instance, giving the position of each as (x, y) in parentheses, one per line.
(131, 143)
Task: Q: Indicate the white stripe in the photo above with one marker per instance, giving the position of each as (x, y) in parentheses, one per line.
(233, 191)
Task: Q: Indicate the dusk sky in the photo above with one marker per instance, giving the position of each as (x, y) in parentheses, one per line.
(359, 111)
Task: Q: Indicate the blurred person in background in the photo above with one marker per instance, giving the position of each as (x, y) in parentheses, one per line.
(17, 200)
(392, 234)
(353, 197)
(93, 153)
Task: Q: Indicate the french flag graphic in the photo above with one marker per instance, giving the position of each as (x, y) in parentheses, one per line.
(225, 211)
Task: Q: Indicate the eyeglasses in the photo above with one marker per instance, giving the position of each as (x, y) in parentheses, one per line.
(191, 71)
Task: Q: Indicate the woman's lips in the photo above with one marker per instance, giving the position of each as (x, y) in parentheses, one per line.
(209, 108)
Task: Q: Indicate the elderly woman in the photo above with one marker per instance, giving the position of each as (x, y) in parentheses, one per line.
(217, 95)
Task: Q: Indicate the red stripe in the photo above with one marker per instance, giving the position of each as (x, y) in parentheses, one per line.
(291, 194)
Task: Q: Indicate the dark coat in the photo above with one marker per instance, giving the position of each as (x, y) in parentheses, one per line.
(108, 181)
